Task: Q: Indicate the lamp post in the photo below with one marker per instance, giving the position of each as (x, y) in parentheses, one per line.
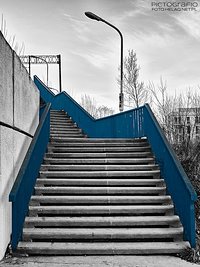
(121, 95)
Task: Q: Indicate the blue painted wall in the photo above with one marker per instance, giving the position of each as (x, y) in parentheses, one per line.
(127, 124)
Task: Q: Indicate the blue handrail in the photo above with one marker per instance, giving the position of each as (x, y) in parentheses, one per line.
(136, 123)
(25, 181)
(178, 184)
(126, 124)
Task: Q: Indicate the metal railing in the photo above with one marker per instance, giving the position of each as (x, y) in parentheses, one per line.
(136, 123)
(178, 184)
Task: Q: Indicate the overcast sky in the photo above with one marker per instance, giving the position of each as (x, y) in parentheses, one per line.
(167, 43)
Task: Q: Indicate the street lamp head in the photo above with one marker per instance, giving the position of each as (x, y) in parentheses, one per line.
(93, 16)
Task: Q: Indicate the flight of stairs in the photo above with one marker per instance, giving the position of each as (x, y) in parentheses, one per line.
(99, 196)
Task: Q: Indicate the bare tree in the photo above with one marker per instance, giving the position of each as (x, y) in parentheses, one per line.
(163, 105)
(135, 93)
(179, 117)
(90, 105)
(104, 111)
(171, 111)
(11, 40)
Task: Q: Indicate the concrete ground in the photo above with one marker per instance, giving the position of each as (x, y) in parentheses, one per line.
(97, 261)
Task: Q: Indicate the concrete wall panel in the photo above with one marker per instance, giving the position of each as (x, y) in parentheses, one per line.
(6, 181)
(13, 148)
(19, 107)
(26, 99)
(6, 82)
(6, 160)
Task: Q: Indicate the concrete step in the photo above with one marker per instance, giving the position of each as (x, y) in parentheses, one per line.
(102, 234)
(105, 167)
(63, 127)
(60, 117)
(52, 111)
(96, 149)
(74, 135)
(99, 182)
(104, 140)
(123, 173)
(94, 200)
(60, 121)
(101, 221)
(55, 115)
(101, 209)
(63, 124)
(97, 144)
(65, 130)
(68, 132)
(64, 134)
(102, 248)
(77, 190)
(131, 155)
(89, 161)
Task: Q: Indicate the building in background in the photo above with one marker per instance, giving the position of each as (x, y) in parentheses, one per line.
(184, 124)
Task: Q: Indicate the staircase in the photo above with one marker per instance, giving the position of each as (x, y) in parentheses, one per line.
(99, 196)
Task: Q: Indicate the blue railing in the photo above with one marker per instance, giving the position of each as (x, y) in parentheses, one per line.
(25, 181)
(136, 123)
(127, 124)
(178, 184)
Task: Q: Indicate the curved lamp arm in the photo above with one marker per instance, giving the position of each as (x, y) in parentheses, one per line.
(121, 95)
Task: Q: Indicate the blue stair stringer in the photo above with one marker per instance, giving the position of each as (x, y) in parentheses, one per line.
(24, 184)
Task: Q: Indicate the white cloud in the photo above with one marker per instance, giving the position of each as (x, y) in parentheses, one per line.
(97, 60)
(79, 26)
(190, 22)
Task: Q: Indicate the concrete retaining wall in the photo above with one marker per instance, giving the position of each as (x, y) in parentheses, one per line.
(19, 117)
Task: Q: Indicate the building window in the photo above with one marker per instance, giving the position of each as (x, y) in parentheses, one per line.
(197, 119)
(179, 119)
(188, 129)
(179, 129)
(188, 120)
(197, 130)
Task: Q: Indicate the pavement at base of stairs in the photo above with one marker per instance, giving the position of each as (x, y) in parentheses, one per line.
(96, 261)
